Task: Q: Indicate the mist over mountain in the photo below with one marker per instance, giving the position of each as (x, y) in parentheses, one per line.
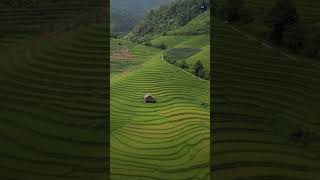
(125, 14)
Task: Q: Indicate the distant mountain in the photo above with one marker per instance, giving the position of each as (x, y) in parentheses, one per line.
(125, 14)
(136, 5)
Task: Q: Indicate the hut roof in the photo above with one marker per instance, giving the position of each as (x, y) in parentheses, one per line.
(147, 95)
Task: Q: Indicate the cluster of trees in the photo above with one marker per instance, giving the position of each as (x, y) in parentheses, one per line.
(166, 18)
(162, 45)
(282, 21)
(197, 69)
(178, 62)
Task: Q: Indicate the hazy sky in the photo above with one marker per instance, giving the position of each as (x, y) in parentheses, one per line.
(136, 5)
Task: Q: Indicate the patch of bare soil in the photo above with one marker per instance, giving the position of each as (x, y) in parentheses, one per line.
(121, 53)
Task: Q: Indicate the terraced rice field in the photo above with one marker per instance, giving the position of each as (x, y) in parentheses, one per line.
(53, 101)
(186, 41)
(165, 140)
(20, 24)
(181, 53)
(266, 111)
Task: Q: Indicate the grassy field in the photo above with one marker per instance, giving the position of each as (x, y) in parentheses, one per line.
(169, 139)
(265, 106)
(53, 97)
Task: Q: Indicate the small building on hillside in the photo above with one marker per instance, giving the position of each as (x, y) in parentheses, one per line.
(148, 98)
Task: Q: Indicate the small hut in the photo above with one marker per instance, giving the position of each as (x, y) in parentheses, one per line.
(148, 98)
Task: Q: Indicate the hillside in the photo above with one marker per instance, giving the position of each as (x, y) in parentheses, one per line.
(162, 139)
(168, 139)
(265, 103)
(20, 24)
(166, 18)
(122, 21)
(192, 36)
(53, 79)
(293, 25)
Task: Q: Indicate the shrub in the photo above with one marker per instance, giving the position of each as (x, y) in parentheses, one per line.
(148, 43)
(171, 61)
(182, 64)
(163, 46)
(205, 105)
(198, 69)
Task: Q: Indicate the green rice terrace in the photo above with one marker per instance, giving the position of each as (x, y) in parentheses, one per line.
(266, 108)
(53, 93)
(168, 139)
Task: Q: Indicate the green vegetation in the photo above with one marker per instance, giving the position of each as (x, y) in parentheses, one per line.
(186, 50)
(168, 139)
(168, 17)
(178, 56)
(53, 79)
(125, 14)
(265, 103)
(290, 24)
(197, 26)
(172, 134)
(181, 53)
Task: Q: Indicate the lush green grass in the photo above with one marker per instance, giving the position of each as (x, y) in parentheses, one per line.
(199, 25)
(189, 41)
(139, 54)
(260, 99)
(53, 104)
(169, 139)
(182, 38)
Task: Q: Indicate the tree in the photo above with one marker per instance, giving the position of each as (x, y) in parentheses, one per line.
(282, 17)
(199, 69)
